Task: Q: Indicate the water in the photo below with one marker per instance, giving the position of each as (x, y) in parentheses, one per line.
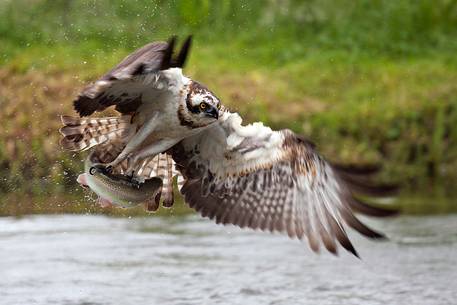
(101, 260)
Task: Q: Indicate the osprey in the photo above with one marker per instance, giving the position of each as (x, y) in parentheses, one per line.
(249, 176)
(160, 104)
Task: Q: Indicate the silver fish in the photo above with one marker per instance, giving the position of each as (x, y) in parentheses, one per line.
(119, 190)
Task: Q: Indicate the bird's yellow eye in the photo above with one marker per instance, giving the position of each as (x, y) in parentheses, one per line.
(202, 106)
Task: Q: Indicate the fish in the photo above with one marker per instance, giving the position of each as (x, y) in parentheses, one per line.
(119, 190)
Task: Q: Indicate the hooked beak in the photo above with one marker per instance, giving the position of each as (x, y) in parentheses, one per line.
(212, 112)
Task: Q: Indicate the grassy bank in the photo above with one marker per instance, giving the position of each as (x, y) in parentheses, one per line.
(368, 81)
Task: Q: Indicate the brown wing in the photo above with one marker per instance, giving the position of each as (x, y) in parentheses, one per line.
(251, 176)
(124, 84)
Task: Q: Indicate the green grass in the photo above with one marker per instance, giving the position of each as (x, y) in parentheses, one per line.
(368, 81)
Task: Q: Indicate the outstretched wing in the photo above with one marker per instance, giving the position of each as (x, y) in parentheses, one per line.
(251, 176)
(138, 73)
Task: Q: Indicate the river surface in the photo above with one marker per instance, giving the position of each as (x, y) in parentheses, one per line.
(188, 260)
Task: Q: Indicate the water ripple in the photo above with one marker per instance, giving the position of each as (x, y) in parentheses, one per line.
(95, 260)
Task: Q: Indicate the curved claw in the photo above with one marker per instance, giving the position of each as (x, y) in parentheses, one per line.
(92, 170)
(100, 167)
(109, 169)
(134, 181)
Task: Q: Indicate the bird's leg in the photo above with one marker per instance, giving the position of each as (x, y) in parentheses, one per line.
(131, 174)
(135, 141)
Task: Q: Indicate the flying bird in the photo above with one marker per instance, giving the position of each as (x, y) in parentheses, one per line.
(161, 106)
(245, 175)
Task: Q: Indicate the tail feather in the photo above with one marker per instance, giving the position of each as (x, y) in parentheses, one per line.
(81, 134)
(161, 166)
(167, 188)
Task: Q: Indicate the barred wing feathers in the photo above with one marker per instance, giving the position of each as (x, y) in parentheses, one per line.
(138, 74)
(251, 176)
(85, 133)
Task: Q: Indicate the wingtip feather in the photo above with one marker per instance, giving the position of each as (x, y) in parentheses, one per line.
(183, 53)
(168, 53)
(361, 207)
(69, 120)
(84, 105)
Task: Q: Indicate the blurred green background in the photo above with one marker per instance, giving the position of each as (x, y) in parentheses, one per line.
(369, 81)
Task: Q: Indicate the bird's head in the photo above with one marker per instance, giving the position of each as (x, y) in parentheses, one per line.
(201, 106)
